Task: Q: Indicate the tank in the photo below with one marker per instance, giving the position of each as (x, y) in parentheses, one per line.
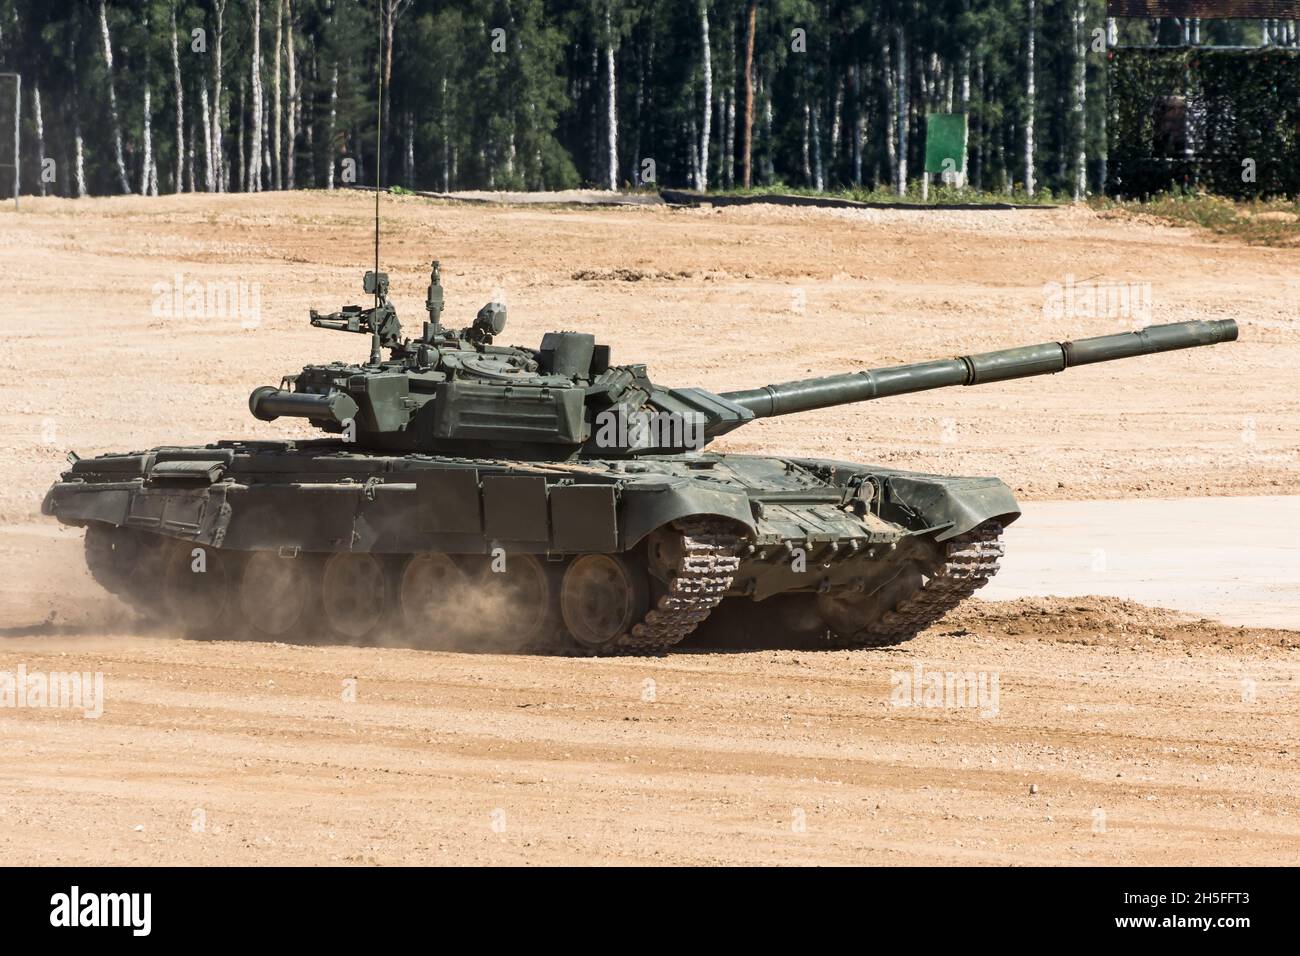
(548, 498)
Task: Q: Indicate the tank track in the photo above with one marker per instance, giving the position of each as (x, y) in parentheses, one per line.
(968, 562)
(708, 565)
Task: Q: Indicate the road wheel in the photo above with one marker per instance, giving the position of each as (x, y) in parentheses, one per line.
(353, 595)
(275, 594)
(432, 595)
(514, 604)
(601, 597)
(199, 590)
(131, 564)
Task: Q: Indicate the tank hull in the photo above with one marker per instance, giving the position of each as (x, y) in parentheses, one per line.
(679, 534)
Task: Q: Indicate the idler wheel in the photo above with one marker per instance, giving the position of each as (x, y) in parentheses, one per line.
(432, 594)
(354, 594)
(275, 593)
(601, 597)
(199, 589)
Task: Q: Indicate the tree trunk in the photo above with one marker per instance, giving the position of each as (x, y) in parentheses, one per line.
(80, 151)
(220, 172)
(733, 120)
(390, 15)
(611, 94)
(819, 171)
(291, 75)
(901, 88)
(410, 150)
(769, 169)
(241, 139)
(255, 84)
(702, 169)
(180, 109)
(331, 129)
(40, 140)
(209, 157)
(267, 160)
(859, 124)
(837, 115)
(112, 99)
(747, 85)
(805, 151)
(1081, 98)
(277, 172)
(891, 119)
(446, 139)
(1029, 103)
(189, 157)
(146, 166)
(635, 176)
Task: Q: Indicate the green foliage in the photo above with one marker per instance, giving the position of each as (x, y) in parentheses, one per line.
(533, 110)
(1243, 118)
(1273, 222)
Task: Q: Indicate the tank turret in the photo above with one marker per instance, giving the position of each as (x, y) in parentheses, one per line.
(457, 392)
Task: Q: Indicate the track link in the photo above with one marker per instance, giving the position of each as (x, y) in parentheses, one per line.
(698, 583)
(969, 561)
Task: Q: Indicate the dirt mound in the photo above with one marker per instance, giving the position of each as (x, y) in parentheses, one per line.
(1103, 621)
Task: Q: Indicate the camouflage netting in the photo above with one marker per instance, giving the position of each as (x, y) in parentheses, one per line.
(1192, 118)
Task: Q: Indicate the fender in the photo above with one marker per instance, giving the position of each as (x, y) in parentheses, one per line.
(647, 505)
(960, 503)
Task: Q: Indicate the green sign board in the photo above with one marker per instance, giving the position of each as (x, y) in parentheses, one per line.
(945, 143)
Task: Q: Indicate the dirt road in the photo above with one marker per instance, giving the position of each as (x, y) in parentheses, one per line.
(1234, 559)
(1106, 731)
(1146, 743)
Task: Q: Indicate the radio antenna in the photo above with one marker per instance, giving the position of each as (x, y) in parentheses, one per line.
(379, 142)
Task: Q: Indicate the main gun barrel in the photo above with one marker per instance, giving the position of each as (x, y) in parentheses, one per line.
(1045, 359)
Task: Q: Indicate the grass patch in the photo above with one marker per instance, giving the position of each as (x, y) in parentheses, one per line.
(1274, 222)
(939, 195)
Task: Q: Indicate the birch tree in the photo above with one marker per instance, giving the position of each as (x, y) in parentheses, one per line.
(1029, 102)
(114, 119)
(277, 180)
(219, 171)
(40, 139)
(702, 167)
(209, 160)
(291, 76)
(747, 85)
(180, 108)
(611, 97)
(1081, 98)
(255, 87)
(901, 107)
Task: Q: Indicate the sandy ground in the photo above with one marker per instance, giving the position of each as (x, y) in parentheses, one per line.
(1168, 553)
(1115, 736)
(1120, 733)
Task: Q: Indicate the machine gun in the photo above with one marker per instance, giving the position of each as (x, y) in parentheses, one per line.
(380, 321)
